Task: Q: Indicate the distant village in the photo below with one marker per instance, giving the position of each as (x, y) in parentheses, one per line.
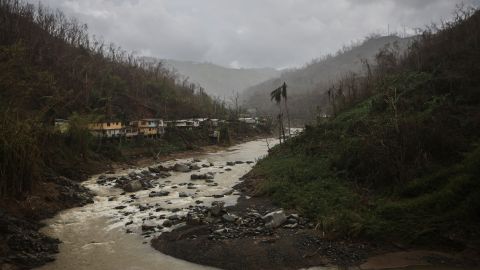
(152, 127)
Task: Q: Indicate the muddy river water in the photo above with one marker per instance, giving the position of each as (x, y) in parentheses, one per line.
(107, 235)
(94, 236)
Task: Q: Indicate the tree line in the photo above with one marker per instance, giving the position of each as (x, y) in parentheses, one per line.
(50, 67)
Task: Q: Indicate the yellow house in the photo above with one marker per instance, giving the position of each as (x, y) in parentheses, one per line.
(149, 126)
(110, 129)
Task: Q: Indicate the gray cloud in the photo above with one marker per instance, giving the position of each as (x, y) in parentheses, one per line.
(248, 33)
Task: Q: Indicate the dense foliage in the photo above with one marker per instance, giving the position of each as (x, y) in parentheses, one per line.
(400, 160)
(51, 68)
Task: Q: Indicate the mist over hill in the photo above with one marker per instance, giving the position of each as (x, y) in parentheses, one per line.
(217, 80)
(308, 85)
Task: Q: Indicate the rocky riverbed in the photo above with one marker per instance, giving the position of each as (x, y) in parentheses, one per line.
(135, 205)
(196, 211)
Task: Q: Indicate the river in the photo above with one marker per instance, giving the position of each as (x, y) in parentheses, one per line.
(95, 237)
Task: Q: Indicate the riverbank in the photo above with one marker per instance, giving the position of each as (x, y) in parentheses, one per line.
(22, 246)
(239, 237)
(247, 242)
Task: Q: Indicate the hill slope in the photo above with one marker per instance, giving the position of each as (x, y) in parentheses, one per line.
(308, 85)
(401, 165)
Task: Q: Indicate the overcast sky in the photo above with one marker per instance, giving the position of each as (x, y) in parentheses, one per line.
(248, 33)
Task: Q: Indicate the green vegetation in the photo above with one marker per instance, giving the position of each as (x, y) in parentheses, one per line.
(51, 68)
(400, 160)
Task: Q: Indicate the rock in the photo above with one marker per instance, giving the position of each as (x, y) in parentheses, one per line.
(202, 176)
(101, 181)
(228, 169)
(195, 177)
(193, 219)
(23, 244)
(239, 162)
(148, 227)
(133, 186)
(164, 174)
(274, 219)
(167, 223)
(182, 195)
(230, 163)
(181, 167)
(194, 167)
(218, 196)
(120, 207)
(154, 169)
(294, 216)
(160, 193)
(229, 217)
(291, 226)
(143, 207)
(250, 162)
(174, 217)
(217, 208)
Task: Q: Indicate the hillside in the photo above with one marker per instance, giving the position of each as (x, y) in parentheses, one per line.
(73, 72)
(220, 81)
(400, 162)
(51, 68)
(308, 85)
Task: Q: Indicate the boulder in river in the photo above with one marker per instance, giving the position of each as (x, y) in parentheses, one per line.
(181, 167)
(161, 193)
(274, 219)
(208, 175)
(133, 186)
(194, 167)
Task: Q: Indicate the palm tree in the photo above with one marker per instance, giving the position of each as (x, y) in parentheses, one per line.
(284, 96)
(276, 95)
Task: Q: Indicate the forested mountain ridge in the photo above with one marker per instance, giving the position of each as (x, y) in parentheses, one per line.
(309, 84)
(220, 81)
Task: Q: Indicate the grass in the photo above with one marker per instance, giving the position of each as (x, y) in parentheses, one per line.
(411, 177)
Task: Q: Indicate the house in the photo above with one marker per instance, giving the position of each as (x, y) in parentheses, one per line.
(149, 126)
(248, 120)
(202, 121)
(131, 132)
(184, 124)
(109, 129)
(61, 125)
(214, 122)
